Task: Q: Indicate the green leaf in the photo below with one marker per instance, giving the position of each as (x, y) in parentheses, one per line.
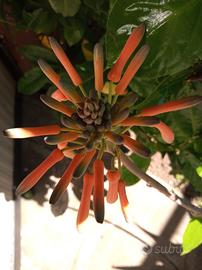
(173, 33)
(199, 170)
(32, 81)
(142, 163)
(73, 32)
(40, 21)
(192, 237)
(96, 5)
(164, 90)
(65, 7)
(188, 163)
(34, 52)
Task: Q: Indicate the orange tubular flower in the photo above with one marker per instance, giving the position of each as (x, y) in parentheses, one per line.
(65, 179)
(113, 178)
(62, 57)
(62, 137)
(133, 41)
(180, 104)
(88, 183)
(98, 195)
(49, 72)
(98, 66)
(52, 76)
(83, 166)
(28, 132)
(123, 199)
(59, 96)
(132, 69)
(140, 121)
(95, 122)
(136, 146)
(31, 179)
(166, 132)
(56, 105)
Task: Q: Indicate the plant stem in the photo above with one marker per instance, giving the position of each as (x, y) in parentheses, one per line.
(101, 151)
(125, 130)
(83, 90)
(183, 202)
(115, 99)
(110, 93)
(70, 130)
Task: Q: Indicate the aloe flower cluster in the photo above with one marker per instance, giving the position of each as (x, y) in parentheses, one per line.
(94, 122)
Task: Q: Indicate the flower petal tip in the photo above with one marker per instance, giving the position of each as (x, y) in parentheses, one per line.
(167, 133)
(99, 215)
(42, 64)
(55, 196)
(132, 68)
(80, 227)
(52, 40)
(129, 47)
(18, 191)
(6, 133)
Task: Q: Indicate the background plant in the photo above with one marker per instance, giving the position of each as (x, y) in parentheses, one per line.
(173, 68)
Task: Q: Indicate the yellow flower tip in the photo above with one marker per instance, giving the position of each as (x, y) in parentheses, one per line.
(87, 52)
(28, 132)
(49, 72)
(62, 57)
(132, 68)
(105, 88)
(131, 44)
(98, 61)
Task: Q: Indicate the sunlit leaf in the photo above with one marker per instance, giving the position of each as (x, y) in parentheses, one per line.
(192, 237)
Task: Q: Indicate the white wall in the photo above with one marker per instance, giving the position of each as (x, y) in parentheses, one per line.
(7, 205)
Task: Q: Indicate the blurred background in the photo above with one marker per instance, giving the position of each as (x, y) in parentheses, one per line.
(37, 236)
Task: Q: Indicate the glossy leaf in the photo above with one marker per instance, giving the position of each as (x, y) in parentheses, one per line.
(65, 7)
(73, 32)
(34, 52)
(40, 21)
(130, 178)
(199, 171)
(32, 81)
(192, 237)
(173, 34)
(188, 163)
